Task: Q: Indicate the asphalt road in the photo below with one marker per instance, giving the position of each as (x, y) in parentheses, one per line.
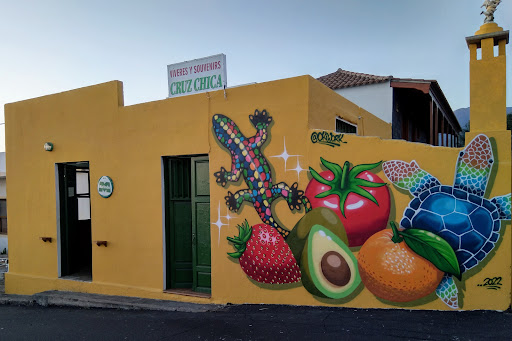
(253, 322)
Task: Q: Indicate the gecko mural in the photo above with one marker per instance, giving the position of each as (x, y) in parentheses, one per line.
(248, 160)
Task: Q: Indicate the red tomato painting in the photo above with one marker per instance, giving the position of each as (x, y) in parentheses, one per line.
(359, 197)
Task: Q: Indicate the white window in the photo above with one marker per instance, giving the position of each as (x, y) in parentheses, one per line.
(345, 127)
(82, 193)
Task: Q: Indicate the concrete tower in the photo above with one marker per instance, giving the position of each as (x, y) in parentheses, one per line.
(487, 78)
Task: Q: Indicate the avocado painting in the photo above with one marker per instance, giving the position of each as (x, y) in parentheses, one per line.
(329, 269)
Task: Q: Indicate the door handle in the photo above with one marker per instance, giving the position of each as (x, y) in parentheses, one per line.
(193, 237)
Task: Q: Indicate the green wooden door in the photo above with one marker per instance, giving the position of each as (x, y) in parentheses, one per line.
(179, 223)
(201, 224)
(188, 223)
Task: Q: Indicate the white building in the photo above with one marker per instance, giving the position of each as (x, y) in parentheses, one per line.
(416, 108)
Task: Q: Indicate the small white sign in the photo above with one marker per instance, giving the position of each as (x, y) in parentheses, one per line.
(198, 75)
(105, 186)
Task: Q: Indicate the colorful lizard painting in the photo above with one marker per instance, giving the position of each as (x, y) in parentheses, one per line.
(247, 159)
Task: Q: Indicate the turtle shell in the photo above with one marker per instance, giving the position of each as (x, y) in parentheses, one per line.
(469, 223)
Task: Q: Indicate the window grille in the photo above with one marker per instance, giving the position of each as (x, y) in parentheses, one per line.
(345, 127)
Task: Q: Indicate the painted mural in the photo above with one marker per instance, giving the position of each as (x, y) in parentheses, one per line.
(458, 214)
(359, 197)
(248, 160)
(264, 255)
(342, 245)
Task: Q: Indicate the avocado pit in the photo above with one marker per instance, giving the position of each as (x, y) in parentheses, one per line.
(335, 268)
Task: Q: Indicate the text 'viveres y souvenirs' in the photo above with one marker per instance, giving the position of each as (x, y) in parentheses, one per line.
(198, 75)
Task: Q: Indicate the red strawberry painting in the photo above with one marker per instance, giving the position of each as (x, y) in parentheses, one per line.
(264, 255)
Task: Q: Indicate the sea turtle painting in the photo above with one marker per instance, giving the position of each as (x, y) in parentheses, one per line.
(459, 214)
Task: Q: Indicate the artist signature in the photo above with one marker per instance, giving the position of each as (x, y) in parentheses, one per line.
(491, 283)
(327, 138)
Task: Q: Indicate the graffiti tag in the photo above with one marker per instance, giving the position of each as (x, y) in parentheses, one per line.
(327, 138)
(491, 283)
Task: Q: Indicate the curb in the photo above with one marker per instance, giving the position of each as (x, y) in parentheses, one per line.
(87, 301)
(19, 300)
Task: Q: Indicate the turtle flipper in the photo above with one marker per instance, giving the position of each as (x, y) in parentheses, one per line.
(448, 293)
(474, 166)
(409, 176)
(503, 205)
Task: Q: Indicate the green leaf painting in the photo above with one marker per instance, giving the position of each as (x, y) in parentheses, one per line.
(433, 248)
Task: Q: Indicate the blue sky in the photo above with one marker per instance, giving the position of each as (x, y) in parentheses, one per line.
(52, 46)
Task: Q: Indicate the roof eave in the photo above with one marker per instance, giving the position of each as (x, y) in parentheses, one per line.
(427, 86)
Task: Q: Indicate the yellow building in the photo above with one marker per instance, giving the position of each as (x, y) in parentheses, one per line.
(227, 197)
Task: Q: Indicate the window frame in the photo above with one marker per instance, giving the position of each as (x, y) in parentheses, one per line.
(347, 122)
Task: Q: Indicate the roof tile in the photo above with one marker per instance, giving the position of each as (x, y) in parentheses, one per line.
(345, 79)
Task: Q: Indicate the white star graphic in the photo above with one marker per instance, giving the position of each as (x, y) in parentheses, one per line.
(284, 155)
(299, 169)
(227, 216)
(219, 223)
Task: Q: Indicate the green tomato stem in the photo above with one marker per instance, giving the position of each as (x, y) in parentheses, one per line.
(344, 176)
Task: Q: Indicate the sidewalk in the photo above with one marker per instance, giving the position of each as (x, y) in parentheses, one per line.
(84, 300)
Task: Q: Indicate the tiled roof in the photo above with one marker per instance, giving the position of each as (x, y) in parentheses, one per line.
(345, 79)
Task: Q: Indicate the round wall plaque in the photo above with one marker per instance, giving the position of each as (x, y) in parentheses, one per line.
(105, 186)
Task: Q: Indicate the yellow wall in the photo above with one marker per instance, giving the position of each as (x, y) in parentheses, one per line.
(127, 144)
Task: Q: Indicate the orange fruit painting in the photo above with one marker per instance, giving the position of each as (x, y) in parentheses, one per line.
(392, 271)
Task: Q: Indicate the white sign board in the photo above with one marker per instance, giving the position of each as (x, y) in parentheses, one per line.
(105, 186)
(198, 75)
